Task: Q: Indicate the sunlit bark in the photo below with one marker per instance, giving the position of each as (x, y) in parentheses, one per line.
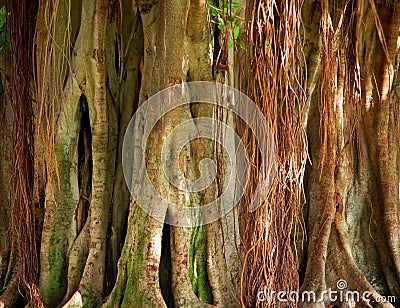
(324, 75)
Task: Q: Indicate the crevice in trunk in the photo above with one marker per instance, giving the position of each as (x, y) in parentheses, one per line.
(219, 59)
(396, 71)
(85, 165)
(165, 267)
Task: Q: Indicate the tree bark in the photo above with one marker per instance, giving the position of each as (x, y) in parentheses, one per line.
(323, 74)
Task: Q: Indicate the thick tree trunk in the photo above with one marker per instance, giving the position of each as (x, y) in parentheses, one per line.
(323, 74)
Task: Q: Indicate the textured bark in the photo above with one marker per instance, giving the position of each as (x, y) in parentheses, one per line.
(98, 61)
(364, 183)
(6, 121)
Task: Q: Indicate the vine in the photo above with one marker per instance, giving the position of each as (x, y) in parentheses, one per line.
(226, 21)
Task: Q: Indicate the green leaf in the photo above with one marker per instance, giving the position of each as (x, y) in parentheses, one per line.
(3, 17)
(220, 23)
(4, 35)
(234, 4)
(230, 44)
(236, 32)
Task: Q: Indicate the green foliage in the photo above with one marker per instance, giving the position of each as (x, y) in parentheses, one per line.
(4, 34)
(224, 18)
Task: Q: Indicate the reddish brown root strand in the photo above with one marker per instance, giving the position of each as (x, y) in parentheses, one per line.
(22, 14)
(276, 85)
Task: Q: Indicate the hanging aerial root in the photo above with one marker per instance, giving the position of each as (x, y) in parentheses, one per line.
(22, 14)
(276, 85)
